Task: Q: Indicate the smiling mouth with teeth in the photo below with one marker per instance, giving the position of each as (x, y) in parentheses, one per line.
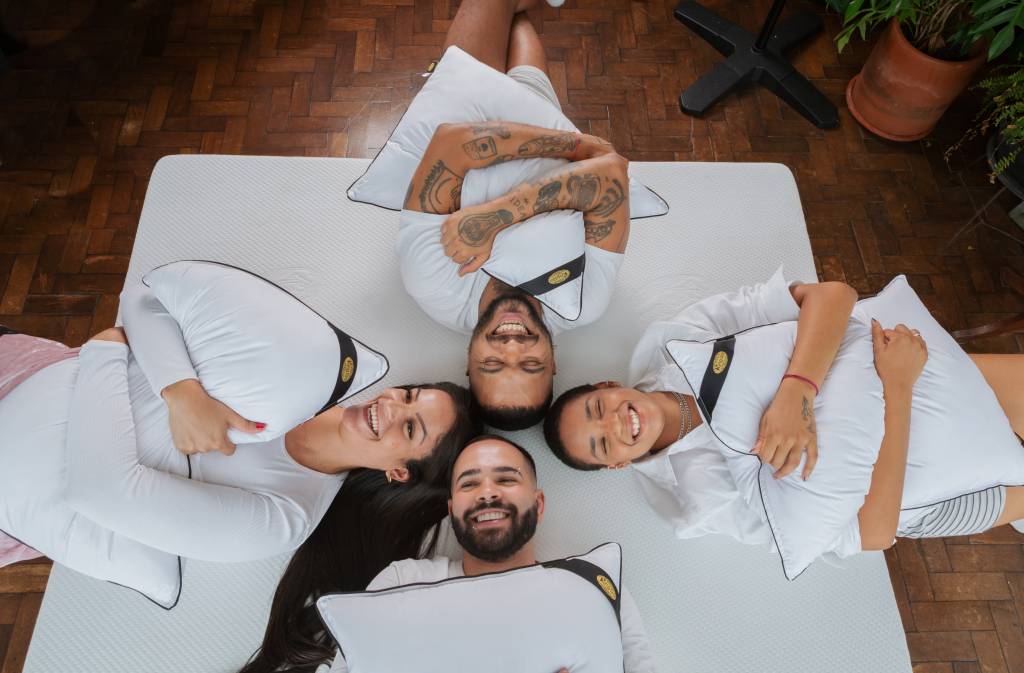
(512, 327)
(634, 419)
(373, 417)
(490, 516)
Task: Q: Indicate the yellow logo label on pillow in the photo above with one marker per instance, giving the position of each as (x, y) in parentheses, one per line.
(558, 277)
(607, 586)
(720, 363)
(348, 367)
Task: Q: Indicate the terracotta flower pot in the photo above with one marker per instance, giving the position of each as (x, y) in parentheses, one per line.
(901, 92)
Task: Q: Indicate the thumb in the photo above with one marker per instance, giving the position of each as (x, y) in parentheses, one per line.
(877, 336)
(238, 423)
(474, 265)
(759, 444)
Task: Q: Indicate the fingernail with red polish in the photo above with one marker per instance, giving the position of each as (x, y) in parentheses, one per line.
(261, 426)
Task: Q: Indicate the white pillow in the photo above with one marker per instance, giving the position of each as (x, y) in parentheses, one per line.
(960, 439)
(806, 517)
(552, 272)
(32, 506)
(462, 89)
(539, 618)
(260, 350)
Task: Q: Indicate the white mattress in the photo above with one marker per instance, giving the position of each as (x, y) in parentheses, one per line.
(709, 605)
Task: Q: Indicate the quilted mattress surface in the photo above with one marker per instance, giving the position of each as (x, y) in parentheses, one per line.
(710, 605)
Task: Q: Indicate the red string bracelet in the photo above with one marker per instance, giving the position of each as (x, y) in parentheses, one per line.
(805, 380)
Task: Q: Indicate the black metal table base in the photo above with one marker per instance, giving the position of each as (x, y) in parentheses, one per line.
(757, 59)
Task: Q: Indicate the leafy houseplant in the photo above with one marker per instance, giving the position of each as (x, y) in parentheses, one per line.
(924, 59)
(1003, 115)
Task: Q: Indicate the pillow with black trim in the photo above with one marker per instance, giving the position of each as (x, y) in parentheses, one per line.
(543, 617)
(462, 89)
(735, 379)
(259, 349)
(551, 271)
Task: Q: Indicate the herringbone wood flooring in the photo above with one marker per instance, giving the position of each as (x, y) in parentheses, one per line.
(108, 87)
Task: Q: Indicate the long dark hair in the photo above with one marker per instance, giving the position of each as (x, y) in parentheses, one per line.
(369, 525)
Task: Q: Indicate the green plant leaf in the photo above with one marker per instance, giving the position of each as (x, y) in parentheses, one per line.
(841, 42)
(851, 10)
(1001, 42)
(990, 5)
(997, 20)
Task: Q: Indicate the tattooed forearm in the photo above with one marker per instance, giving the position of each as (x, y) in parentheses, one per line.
(519, 203)
(480, 148)
(597, 231)
(474, 230)
(441, 191)
(547, 197)
(562, 143)
(495, 129)
(611, 199)
(583, 190)
(500, 159)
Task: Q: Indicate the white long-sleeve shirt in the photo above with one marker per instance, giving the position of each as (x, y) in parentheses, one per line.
(125, 474)
(636, 650)
(689, 484)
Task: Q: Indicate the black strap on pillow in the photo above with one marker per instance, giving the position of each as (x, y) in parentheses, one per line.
(714, 375)
(346, 368)
(596, 576)
(556, 277)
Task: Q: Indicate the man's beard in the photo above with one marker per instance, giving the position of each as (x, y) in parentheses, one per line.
(510, 294)
(495, 545)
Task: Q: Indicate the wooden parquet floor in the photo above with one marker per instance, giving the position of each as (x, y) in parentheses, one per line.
(107, 87)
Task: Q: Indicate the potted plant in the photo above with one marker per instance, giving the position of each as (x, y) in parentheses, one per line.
(926, 57)
(1002, 118)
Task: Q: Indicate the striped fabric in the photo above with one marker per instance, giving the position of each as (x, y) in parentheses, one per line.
(965, 515)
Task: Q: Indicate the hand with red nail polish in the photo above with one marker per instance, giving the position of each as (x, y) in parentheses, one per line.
(199, 423)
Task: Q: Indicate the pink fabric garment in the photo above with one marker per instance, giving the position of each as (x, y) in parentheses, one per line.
(21, 356)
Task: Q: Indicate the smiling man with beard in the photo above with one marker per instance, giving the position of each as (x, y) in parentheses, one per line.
(511, 356)
(495, 509)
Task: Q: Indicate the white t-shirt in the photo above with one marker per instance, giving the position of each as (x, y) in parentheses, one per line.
(636, 651)
(432, 279)
(688, 483)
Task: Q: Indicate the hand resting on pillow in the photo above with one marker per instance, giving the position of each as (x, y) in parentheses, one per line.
(200, 423)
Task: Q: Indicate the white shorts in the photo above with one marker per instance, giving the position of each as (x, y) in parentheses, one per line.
(537, 80)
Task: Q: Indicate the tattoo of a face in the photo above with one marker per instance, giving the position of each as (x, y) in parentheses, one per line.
(583, 190)
(495, 129)
(474, 230)
(480, 148)
(547, 197)
(562, 143)
(612, 198)
(807, 412)
(441, 191)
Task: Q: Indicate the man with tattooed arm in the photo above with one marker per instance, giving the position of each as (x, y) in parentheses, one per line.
(511, 355)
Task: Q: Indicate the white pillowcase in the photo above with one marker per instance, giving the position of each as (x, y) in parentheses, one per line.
(32, 505)
(462, 89)
(258, 349)
(960, 440)
(552, 272)
(539, 618)
(806, 517)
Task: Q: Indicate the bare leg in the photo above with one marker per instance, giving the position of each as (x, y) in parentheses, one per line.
(1013, 509)
(1005, 374)
(481, 28)
(524, 46)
